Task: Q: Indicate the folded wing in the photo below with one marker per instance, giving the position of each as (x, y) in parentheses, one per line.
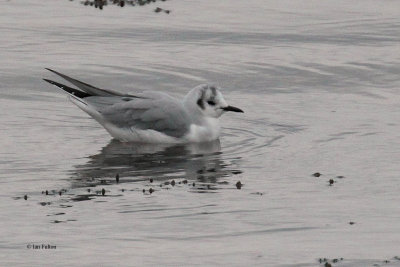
(146, 111)
(155, 111)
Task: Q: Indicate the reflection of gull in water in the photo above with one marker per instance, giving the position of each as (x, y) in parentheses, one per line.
(136, 162)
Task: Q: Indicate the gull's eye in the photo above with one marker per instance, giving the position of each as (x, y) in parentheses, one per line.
(211, 103)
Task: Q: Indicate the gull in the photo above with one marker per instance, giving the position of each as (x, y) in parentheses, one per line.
(151, 116)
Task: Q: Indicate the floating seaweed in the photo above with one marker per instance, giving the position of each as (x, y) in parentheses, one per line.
(100, 4)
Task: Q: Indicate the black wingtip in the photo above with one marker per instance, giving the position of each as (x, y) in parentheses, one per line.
(50, 70)
(68, 89)
(49, 81)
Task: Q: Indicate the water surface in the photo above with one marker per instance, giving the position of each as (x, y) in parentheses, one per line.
(319, 85)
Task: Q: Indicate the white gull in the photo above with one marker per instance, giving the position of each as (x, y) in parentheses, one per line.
(152, 117)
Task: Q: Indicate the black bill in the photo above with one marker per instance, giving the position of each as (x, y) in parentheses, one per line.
(234, 109)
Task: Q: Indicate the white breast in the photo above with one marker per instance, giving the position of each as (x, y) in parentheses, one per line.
(208, 131)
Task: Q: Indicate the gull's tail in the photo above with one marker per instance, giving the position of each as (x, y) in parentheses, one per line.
(90, 98)
(78, 97)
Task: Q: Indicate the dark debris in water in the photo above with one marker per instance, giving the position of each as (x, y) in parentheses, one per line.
(57, 214)
(204, 171)
(328, 262)
(158, 10)
(317, 174)
(100, 4)
(151, 191)
(83, 197)
(210, 184)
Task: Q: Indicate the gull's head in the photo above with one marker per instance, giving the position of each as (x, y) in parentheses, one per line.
(208, 101)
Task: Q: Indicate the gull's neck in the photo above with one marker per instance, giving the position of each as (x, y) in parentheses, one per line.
(190, 104)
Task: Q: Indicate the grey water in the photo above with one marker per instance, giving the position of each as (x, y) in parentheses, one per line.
(319, 84)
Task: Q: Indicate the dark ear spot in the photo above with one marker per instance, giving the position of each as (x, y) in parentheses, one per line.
(200, 103)
(213, 90)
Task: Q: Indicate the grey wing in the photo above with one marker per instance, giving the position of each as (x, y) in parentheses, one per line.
(156, 111)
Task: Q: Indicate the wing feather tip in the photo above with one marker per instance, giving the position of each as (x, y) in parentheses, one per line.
(49, 69)
(49, 81)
